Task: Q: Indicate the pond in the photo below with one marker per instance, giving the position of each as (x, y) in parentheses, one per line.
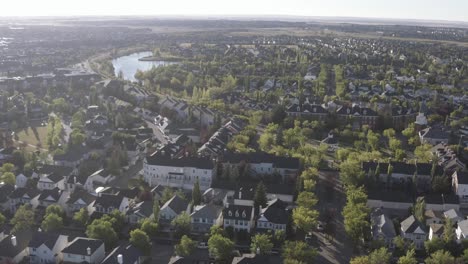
(130, 64)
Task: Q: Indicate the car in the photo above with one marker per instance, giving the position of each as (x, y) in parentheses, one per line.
(202, 245)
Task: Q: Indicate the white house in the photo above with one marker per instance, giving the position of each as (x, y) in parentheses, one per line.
(239, 217)
(204, 217)
(173, 208)
(84, 250)
(51, 181)
(460, 186)
(46, 247)
(106, 203)
(140, 211)
(178, 173)
(413, 230)
(462, 230)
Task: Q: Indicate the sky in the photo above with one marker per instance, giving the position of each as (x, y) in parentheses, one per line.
(451, 10)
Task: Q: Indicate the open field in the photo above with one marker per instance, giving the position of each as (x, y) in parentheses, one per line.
(32, 137)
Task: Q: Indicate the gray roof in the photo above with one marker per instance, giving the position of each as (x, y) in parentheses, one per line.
(80, 245)
(207, 211)
(453, 215)
(463, 225)
(411, 224)
(177, 204)
(129, 253)
(381, 224)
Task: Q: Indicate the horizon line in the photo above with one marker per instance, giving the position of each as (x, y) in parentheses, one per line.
(230, 16)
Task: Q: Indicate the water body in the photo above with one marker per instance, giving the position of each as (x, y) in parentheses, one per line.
(130, 64)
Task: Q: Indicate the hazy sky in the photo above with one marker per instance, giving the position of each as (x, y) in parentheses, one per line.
(454, 10)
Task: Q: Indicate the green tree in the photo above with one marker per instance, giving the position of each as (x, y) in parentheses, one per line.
(8, 178)
(306, 199)
(440, 257)
(55, 209)
(351, 173)
(7, 167)
(181, 224)
(433, 245)
(298, 251)
(150, 227)
(305, 218)
(389, 133)
(356, 214)
(185, 247)
(101, 229)
(220, 247)
(423, 153)
(401, 246)
(373, 140)
(156, 210)
(409, 258)
(419, 209)
(23, 219)
(260, 197)
(379, 256)
(140, 240)
(262, 244)
(52, 222)
(81, 217)
(196, 193)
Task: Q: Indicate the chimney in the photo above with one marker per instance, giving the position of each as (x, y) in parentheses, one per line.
(74, 179)
(258, 251)
(240, 195)
(120, 259)
(88, 250)
(13, 241)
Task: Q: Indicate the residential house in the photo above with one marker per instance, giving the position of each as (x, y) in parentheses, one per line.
(217, 143)
(22, 196)
(403, 172)
(460, 187)
(14, 248)
(140, 211)
(84, 250)
(454, 215)
(173, 208)
(273, 217)
(308, 110)
(413, 230)
(357, 116)
(402, 117)
(77, 200)
(434, 135)
(5, 191)
(125, 254)
(434, 217)
(178, 173)
(436, 231)
(261, 163)
(198, 256)
(204, 217)
(106, 203)
(46, 247)
(382, 228)
(49, 197)
(239, 217)
(51, 181)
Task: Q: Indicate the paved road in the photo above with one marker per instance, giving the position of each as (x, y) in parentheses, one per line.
(337, 249)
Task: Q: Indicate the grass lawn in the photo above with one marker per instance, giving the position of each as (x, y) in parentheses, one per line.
(32, 136)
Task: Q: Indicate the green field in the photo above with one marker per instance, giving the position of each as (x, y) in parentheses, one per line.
(32, 136)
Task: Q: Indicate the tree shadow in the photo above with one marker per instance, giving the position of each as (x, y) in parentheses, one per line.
(36, 134)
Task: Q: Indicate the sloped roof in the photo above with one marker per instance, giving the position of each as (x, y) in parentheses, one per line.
(80, 245)
(411, 224)
(177, 204)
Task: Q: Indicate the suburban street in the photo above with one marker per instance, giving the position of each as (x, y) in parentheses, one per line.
(337, 249)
